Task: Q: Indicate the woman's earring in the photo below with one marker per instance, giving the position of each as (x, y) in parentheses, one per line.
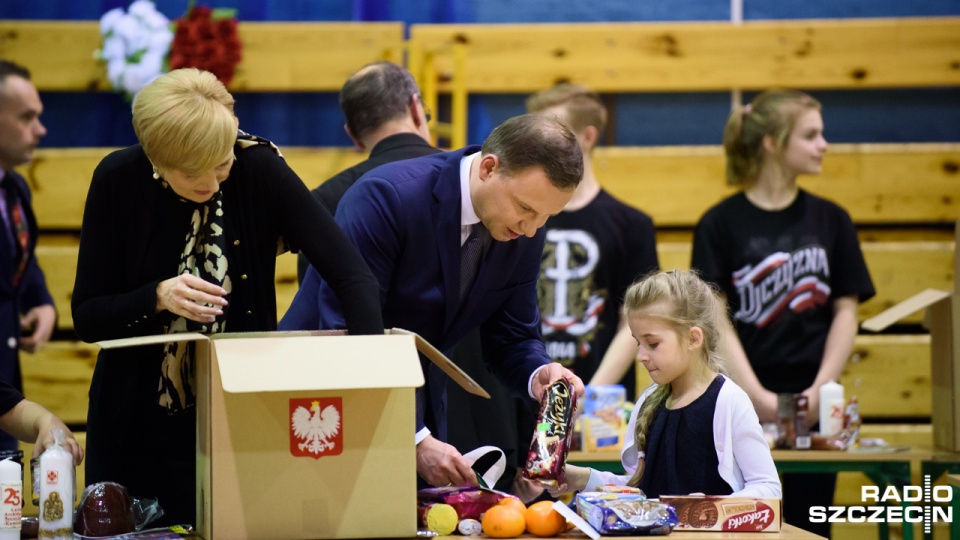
(156, 175)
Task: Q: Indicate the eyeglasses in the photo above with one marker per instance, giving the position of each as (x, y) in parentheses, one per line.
(426, 110)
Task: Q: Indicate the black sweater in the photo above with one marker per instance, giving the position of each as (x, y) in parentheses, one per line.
(133, 233)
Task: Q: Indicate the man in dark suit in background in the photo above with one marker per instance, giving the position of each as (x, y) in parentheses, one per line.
(27, 314)
(385, 115)
(411, 219)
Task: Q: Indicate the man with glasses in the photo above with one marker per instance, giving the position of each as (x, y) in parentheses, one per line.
(385, 115)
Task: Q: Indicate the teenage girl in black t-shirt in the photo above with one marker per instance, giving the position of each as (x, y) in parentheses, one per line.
(789, 262)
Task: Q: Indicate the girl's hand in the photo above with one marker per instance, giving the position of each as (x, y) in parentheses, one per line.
(575, 479)
(191, 297)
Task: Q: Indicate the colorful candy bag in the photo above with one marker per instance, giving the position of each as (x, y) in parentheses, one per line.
(629, 514)
(554, 434)
(469, 502)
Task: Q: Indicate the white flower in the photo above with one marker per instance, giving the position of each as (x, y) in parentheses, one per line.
(135, 45)
(109, 20)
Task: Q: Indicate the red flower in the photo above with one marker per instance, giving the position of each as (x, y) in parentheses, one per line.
(205, 42)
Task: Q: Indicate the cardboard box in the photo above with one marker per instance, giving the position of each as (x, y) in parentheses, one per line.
(302, 435)
(715, 513)
(943, 321)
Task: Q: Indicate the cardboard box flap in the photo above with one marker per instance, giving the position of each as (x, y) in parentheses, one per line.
(157, 339)
(150, 340)
(911, 305)
(302, 363)
(380, 373)
(452, 370)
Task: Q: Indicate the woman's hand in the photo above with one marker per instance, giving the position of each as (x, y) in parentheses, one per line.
(191, 297)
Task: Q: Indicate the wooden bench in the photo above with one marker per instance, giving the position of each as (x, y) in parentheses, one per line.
(905, 232)
(674, 185)
(463, 59)
(277, 56)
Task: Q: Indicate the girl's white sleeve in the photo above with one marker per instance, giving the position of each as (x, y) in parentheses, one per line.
(752, 454)
(629, 456)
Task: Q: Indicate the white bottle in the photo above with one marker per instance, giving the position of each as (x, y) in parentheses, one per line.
(57, 490)
(831, 408)
(11, 488)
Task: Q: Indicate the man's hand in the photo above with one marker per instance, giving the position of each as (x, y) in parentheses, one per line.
(41, 320)
(442, 465)
(549, 374)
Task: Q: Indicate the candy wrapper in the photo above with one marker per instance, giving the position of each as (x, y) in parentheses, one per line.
(554, 434)
(626, 514)
(469, 502)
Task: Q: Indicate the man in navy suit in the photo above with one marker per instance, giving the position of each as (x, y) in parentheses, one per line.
(410, 219)
(25, 302)
(384, 114)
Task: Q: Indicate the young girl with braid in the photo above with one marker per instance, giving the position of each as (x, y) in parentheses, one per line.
(695, 430)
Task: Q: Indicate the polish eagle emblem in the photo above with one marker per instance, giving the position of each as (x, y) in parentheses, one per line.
(316, 428)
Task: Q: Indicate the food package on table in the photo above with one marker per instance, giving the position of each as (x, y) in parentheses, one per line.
(554, 434)
(614, 488)
(603, 422)
(107, 510)
(469, 502)
(720, 513)
(625, 514)
(849, 437)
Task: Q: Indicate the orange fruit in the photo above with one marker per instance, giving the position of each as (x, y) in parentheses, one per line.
(542, 520)
(513, 502)
(502, 521)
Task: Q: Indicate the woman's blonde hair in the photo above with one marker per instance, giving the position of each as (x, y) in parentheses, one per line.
(184, 120)
(682, 300)
(772, 113)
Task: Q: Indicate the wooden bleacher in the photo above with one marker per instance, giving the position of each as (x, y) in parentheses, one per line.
(682, 57)
(277, 56)
(676, 185)
(903, 197)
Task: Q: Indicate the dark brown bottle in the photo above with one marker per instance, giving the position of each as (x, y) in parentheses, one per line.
(802, 423)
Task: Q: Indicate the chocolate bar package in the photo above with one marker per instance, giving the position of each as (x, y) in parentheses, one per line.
(554, 434)
(625, 514)
(716, 513)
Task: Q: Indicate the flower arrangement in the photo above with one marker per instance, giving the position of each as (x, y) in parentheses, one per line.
(135, 45)
(207, 39)
(142, 44)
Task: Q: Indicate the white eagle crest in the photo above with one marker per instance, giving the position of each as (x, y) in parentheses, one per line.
(315, 429)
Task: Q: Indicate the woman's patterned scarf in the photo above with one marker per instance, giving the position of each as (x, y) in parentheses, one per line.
(205, 256)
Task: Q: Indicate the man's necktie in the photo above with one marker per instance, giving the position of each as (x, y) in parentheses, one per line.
(18, 228)
(470, 254)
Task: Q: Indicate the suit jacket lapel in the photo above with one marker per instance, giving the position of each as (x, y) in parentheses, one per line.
(446, 219)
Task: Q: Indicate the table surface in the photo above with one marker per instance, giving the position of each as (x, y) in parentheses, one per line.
(900, 453)
(787, 532)
(953, 480)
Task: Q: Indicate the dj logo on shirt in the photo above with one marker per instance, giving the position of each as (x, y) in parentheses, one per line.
(570, 303)
(796, 281)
